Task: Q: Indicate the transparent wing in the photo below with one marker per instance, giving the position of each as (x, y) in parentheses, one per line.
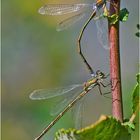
(67, 98)
(102, 30)
(61, 9)
(78, 114)
(46, 93)
(69, 22)
(59, 107)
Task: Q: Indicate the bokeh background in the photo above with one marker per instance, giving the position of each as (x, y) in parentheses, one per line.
(35, 56)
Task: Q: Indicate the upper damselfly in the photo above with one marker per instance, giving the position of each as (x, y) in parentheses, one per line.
(40, 94)
(79, 11)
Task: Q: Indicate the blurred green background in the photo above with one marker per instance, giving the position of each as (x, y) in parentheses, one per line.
(35, 56)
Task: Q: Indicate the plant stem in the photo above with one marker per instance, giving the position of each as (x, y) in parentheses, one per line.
(115, 68)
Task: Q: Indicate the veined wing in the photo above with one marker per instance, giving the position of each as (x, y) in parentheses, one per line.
(78, 110)
(102, 28)
(69, 21)
(61, 9)
(67, 98)
(41, 94)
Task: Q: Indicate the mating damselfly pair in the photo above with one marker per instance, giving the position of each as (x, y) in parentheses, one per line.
(97, 78)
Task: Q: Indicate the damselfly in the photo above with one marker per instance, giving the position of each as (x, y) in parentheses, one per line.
(79, 12)
(96, 81)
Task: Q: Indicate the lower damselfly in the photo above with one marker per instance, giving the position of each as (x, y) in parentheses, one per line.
(40, 94)
(79, 11)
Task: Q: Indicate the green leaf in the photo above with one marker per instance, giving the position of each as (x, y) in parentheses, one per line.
(123, 16)
(107, 128)
(135, 94)
(131, 125)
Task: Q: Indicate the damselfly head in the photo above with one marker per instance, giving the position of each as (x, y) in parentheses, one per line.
(99, 74)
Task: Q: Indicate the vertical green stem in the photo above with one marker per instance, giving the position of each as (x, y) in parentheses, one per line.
(115, 68)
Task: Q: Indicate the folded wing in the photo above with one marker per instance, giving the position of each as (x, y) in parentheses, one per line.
(41, 94)
(61, 9)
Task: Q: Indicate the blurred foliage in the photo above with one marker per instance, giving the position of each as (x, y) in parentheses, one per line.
(138, 33)
(34, 55)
